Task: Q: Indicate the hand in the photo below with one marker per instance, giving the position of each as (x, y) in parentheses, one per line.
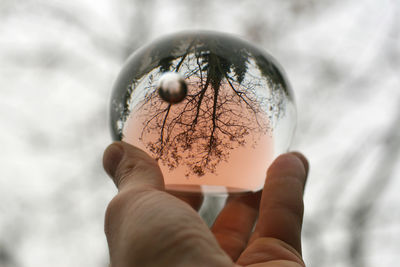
(146, 226)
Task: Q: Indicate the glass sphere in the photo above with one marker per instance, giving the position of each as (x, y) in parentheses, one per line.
(212, 109)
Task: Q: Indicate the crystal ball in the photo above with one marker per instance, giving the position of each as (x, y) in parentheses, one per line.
(214, 110)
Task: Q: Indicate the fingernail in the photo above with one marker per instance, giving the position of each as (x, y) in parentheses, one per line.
(112, 157)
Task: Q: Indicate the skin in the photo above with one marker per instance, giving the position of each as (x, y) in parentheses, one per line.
(147, 226)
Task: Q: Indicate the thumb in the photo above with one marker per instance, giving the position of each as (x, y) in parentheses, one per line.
(131, 167)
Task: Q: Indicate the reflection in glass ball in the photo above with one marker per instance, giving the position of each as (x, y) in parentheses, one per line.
(213, 109)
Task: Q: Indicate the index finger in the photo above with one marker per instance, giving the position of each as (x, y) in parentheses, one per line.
(281, 208)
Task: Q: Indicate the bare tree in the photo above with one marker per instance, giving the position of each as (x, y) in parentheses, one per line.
(222, 111)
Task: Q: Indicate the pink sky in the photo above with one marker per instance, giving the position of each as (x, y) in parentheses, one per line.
(244, 171)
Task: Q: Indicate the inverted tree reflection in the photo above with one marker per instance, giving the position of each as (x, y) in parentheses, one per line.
(223, 110)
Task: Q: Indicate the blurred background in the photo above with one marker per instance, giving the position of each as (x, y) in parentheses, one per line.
(59, 59)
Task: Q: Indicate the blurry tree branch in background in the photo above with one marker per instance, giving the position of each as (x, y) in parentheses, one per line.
(381, 177)
(56, 61)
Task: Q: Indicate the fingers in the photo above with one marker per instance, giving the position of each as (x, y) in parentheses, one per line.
(281, 208)
(303, 160)
(235, 222)
(130, 167)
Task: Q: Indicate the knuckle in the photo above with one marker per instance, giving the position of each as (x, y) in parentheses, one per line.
(290, 205)
(132, 167)
(113, 213)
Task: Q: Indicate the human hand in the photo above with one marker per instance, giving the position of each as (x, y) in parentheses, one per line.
(147, 226)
